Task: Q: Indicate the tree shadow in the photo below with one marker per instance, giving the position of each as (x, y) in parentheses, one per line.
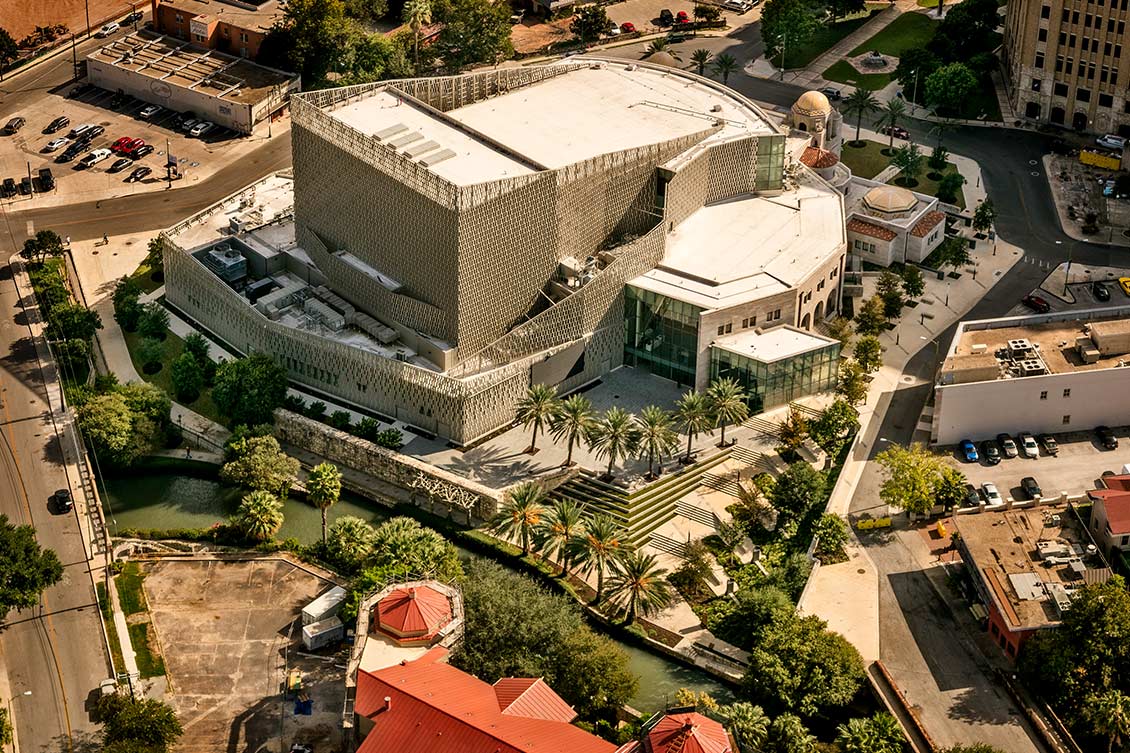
(490, 464)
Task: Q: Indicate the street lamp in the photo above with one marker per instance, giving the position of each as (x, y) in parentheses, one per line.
(914, 93)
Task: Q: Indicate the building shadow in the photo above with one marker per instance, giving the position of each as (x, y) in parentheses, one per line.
(933, 629)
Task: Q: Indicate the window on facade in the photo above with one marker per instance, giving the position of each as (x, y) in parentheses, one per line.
(1106, 100)
(721, 329)
(1125, 540)
(777, 314)
(1067, 392)
(1060, 90)
(1043, 35)
(1067, 419)
(729, 327)
(180, 19)
(1039, 60)
(1036, 84)
(1083, 95)
(1044, 395)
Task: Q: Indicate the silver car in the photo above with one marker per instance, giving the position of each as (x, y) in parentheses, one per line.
(989, 491)
(1028, 446)
(58, 143)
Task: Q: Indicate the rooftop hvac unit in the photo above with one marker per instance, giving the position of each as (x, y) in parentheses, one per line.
(237, 225)
(1032, 367)
(978, 349)
(401, 355)
(1018, 346)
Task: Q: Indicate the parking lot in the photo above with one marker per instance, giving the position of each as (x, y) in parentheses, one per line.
(196, 158)
(230, 631)
(1075, 470)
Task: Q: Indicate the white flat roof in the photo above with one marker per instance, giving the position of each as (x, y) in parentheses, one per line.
(772, 345)
(749, 247)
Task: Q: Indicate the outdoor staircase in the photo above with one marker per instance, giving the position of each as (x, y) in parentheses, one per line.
(808, 412)
(668, 545)
(728, 483)
(697, 514)
(762, 426)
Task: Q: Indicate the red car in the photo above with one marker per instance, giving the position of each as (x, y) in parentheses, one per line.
(120, 144)
(132, 145)
(682, 18)
(627, 27)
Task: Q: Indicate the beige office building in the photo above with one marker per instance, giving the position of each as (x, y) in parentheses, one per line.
(1065, 63)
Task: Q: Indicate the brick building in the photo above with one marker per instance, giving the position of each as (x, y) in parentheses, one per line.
(231, 26)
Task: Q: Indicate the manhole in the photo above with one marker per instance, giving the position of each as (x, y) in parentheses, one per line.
(908, 379)
(1035, 173)
(1031, 162)
(861, 571)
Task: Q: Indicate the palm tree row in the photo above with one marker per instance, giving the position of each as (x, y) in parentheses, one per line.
(561, 530)
(617, 434)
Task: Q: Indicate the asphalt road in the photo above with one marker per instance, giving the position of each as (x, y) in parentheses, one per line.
(55, 650)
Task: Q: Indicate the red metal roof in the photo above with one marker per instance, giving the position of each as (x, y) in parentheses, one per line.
(818, 158)
(867, 228)
(436, 708)
(418, 612)
(687, 733)
(1116, 504)
(926, 224)
(532, 698)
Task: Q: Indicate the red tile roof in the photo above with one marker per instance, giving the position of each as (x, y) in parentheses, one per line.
(1116, 503)
(532, 698)
(869, 229)
(687, 733)
(416, 613)
(818, 158)
(436, 708)
(926, 224)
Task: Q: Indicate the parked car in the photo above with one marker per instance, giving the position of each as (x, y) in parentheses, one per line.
(1124, 283)
(140, 151)
(133, 17)
(150, 111)
(832, 93)
(737, 6)
(57, 124)
(1106, 437)
(187, 124)
(95, 157)
(138, 174)
(666, 17)
(63, 500)
(80, 130)
(120, 164)
(968, 451)
(1110, 141)
(25, 186)
(682, 18)
(1030, 487)
(628, 27)
(1051, 446)
(201, 129)
(1008, 447)
(79, 90)
(71, 152)
(990, 452)
(58, 143)
(108, 29)
(1028, 445)
(1100, 291)
(95, 130)
(898, 131)
(8, 188)
(1036, 303)
(117, 145)
(14, 125)
(46, 179)
(613, 30)
(972, 496)
(992, 496)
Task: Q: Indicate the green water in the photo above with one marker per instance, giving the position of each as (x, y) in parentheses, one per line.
(175, 501)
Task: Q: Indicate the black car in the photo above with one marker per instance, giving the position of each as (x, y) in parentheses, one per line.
(1030, 488)
(972, 496)
(1051, 447)
(138, 174)
(63, 500)
(1101, 292)
(60, 122)
(133, 17)
(141, 151)
(25, 186)
(46, 179)
(8, 188)
(666, 17)
(1106, 437)
(990, 452)
(14, 125)
(120, 164)
(1036, 303)
(94, 131)
(71, 152)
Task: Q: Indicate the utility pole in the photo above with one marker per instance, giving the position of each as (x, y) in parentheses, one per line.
(1067, 274)
(87, 4)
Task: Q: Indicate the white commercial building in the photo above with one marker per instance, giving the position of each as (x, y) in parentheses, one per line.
(1050, 373)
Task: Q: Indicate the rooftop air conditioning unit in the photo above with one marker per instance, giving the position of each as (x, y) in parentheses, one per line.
(1032, 367)
(401, 355)
(1019, 345)
(978, 349)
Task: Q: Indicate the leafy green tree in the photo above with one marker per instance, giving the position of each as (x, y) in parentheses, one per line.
(615, 435)
(868, 353)
(45, 244)
(953, 252)
(751, 612)
(909, 160)
(708, 13)
(692, 412)
(851, 383)
(911, 477)
(349, 542)
(5, 723)
(949, 186)
(340, 420)
(9, 51)
(860, 103)
(149, 354)
(949, 488)
(404, 547)
(323, 485)
(890, 116)
(187, 378)
(749, 724)
(603, 543)
(637, 585)
(475, 31)
(127, 310)
(417, 14)
(537, 409)
(787, 734)
(559, 531)
(728, 405)
(520, 515)
(144, 721)
(112, 431)
(724, 65)
(260, 515)
(798, 490)
(196, 345)
(153, 321)
(72, 321)
(801, 667)
(832, 531)
(840, 8)
(949, 87)
(967, 30)
(984, 216)
(700, 58)
(839, 327)
(701, 701)
(690, 577)
(366, 10)
(73, 356)
(589, 22)
(889, 290)
(28, 569)
(792, 432)
(371, 57)
(259, 463)
(871, 318)
(657, 438)
(878, 734)
(248, 390)
(836, 424)
(572, 422)
(311, 38)
(785, 25)
(913, 283)
(938, 158)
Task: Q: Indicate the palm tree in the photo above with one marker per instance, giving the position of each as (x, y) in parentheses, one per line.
(323, 488)
(787, 732)
(520, 514)
(615, 436)
(573, 421)
(657, 438)
(701, 57)
(638, 585)
(749, 724)
(559, 531)
(417, 14)
(727, 403)
(537, 409)
(860, 103)
(941, 126)
(350, 541)
(856, 737)
(1109, 714)
(887, 732)
(890, 116)
(260, 515)
(603, 543)
(693, 413)
(660, 45)
(724, 65)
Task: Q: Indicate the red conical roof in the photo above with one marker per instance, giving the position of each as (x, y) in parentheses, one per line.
(417, 613)
(687, 733)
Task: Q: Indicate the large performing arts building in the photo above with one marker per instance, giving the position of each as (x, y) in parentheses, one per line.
(444, 243)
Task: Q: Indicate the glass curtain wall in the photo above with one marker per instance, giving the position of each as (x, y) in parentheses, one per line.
(770, 162)
(771, 384)
(660, 334)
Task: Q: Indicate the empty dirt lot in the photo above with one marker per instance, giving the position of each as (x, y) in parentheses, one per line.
(229, 630)
(20, 17)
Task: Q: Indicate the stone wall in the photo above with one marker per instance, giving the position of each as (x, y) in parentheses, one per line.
(472, 499)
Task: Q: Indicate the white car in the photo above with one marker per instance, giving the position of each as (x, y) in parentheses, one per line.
(992, 496)
(201, 129)
(58, 143)
(1028, 446)
(95, 157)
(108, 29)
(150, 111)
(738, 6)
(1110, 141)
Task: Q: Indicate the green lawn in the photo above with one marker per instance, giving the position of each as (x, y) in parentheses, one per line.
(173, 347)
(845, 73)
(111, 629)
(930, 187)
(907, 32)
(824, 38)
(866, 161)
(149, 664)
(130, 595)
